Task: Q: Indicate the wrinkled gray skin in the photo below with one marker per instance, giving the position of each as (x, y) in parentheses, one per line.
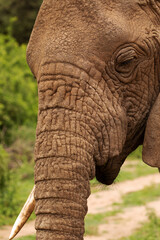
(97, 67)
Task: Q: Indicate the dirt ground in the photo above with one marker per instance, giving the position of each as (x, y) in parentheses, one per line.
(125, 223)
(27, 230)
(121, 225)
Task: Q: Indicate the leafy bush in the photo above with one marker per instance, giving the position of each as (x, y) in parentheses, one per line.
(22, 146)
(4, 160)
(18, 89)
(18, 113)
(17, 17)
(14, 191)
(137, 154)
(27, 238)
(7, 190)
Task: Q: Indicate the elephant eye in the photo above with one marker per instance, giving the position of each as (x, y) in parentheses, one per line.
(126, 61)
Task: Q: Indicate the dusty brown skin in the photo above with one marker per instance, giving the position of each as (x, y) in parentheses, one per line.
(97, 67)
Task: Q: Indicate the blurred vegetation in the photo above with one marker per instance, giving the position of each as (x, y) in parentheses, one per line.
(18, 116)
(27, 238)
(18, 90)
(17, 18)
(136, 154)
(18, 185)
(4, 161)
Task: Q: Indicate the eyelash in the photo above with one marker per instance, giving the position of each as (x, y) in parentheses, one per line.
(125, 63)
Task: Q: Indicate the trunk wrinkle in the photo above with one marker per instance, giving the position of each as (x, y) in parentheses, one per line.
(76, 125)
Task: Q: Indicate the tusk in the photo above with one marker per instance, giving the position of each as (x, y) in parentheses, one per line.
(24, 214)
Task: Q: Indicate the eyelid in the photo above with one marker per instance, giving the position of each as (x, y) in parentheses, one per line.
(126, 56)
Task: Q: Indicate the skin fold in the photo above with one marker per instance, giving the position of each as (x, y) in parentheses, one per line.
(97, 67)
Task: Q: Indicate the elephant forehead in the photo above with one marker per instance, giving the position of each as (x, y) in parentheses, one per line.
(83, 27)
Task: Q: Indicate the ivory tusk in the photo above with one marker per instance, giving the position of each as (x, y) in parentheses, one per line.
(24, 215)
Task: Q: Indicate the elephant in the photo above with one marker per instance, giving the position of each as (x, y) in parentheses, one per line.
(97, 64)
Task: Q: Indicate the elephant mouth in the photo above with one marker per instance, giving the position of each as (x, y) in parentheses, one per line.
(107, 173)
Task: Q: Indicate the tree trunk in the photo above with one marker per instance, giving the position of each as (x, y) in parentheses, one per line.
(64, 165)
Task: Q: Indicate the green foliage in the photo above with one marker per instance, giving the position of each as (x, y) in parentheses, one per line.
(27, 238)
(22, 146)
(18, 89)
(17, 18)
(8, 204)
(4, 160)
(18, 113)
(18, 185)
(137, 154)
(149, 231)
(7, 188)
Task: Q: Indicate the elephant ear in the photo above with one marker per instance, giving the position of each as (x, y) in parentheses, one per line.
(151, 144)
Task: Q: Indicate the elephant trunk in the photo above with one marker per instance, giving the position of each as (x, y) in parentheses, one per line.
(64, 165)
(76, 124)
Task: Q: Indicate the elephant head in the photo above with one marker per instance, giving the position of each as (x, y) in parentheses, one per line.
(97, 66)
